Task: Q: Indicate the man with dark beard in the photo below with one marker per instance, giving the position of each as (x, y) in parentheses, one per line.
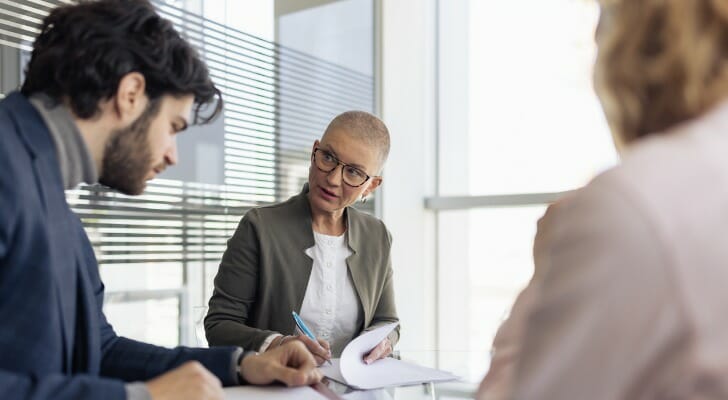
(108, 87)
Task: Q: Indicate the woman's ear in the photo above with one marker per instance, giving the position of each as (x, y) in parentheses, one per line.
(376, 181)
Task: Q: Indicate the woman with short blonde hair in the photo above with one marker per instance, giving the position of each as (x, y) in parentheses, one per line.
(628, 293)
(313, 254)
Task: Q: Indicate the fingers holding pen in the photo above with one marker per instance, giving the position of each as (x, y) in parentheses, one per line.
(320, 348)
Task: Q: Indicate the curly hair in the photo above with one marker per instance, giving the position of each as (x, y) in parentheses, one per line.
(85, 49)
(660, 62)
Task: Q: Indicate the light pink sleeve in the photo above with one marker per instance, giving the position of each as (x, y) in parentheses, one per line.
(605, 321)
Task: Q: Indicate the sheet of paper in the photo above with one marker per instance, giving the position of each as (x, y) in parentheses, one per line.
(353, 354)
(391, 372)
(379, 394)
(271, 392)
(332, 371)
(351, 369)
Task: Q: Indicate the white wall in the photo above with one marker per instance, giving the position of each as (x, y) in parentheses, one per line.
(407, 88)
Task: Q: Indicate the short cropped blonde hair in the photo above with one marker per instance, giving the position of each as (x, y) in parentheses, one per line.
(660, 62)
(366, 127)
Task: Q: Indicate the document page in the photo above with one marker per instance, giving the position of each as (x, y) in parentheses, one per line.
(350, 369)
(333, 371)
(271, 392)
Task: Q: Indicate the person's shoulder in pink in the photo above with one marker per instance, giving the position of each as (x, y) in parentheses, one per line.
(630, 270)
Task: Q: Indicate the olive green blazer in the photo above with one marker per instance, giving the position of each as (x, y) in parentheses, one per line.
(264, 273)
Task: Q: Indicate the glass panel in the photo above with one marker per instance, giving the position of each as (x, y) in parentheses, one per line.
(151, 321)
(485, 259)
(120, 277)
(341, 32)
(523, 69)
(255, 17)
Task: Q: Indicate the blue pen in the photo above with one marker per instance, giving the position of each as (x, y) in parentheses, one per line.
(304, 328)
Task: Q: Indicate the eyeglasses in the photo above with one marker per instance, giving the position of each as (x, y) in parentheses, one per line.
(327, 162)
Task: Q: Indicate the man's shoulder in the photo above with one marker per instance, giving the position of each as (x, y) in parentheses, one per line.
(17, 182)
(13, 105)
(17, 115)
(27, 152)
(11, 147)
(7, 124)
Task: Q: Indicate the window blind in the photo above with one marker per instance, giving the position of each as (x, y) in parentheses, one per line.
(277, 102)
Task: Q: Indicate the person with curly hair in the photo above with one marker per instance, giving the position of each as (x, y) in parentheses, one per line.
(627, 297)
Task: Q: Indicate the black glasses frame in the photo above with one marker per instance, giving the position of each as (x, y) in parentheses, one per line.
(338, 162)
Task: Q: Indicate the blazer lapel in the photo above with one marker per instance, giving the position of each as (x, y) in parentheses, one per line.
(40, 146)
(303, 240)
(357, 271)
(62, 244)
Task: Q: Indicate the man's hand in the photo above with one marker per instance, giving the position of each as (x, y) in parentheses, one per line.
(188, 381)
(290, 363)
(383, 349)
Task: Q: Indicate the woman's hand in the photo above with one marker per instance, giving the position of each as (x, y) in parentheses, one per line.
(383, 349)
(320, 349)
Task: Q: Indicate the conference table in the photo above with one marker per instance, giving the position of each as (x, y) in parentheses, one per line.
(470, 366)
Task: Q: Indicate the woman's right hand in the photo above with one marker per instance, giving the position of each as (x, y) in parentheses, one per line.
(320, 349)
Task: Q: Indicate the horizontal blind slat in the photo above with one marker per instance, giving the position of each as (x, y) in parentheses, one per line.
(278, 100)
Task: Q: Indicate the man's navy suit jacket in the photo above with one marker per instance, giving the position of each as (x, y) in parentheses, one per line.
(54, 339)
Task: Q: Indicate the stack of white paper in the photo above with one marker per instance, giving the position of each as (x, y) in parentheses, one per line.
(351, 370)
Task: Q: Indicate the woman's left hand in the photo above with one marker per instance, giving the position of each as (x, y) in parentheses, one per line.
(383, 349)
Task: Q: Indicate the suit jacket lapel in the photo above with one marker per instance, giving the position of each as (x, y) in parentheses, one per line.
(303, 240)
(357, 271)
(62, 243)
(48, 181)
